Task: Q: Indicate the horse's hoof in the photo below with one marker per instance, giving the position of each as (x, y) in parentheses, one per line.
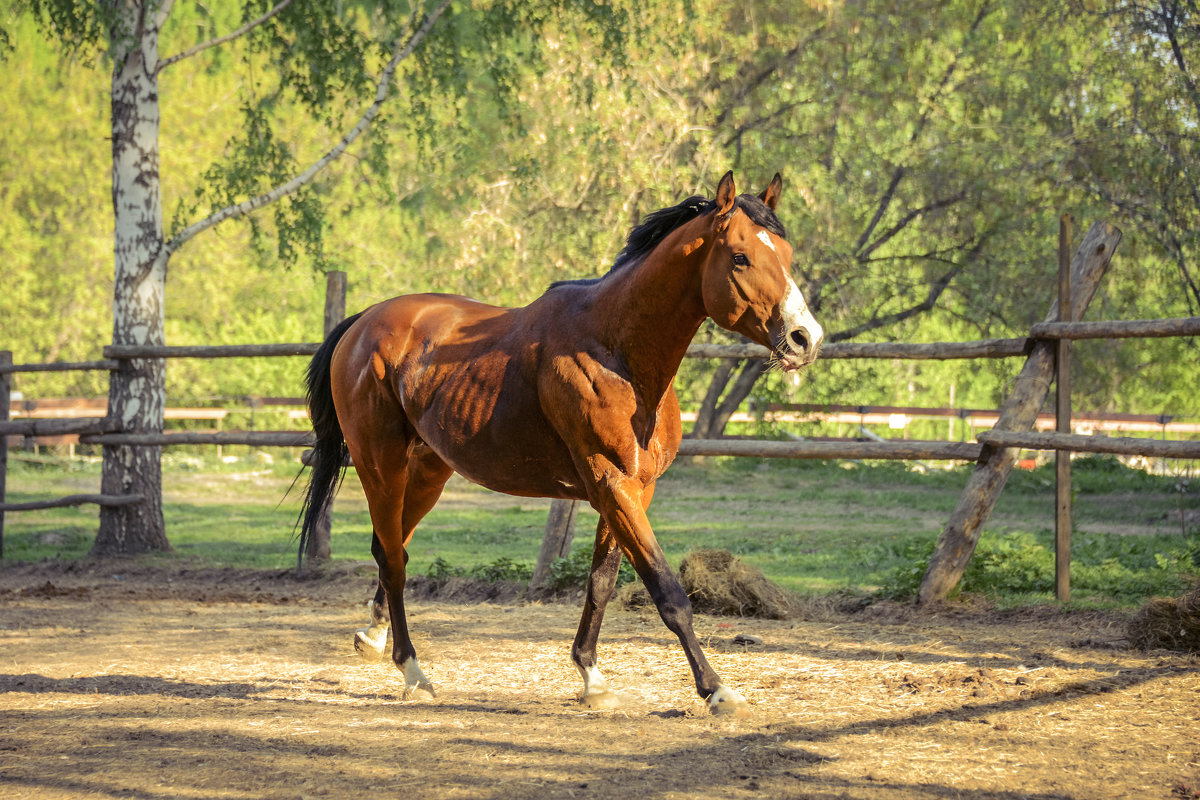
(415, 680)
(726, 701)
(410, 692)
(370, 649)
(597, 701)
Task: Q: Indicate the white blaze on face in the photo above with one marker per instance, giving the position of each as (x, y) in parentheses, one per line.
(793, 309)
(795, 313)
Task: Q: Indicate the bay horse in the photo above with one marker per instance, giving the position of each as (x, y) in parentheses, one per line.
(570, 397)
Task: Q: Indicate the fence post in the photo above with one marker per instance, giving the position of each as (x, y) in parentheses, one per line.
(1062, 458)
(318, 547)
(5, 400)
(1032, 385)
(556, 543)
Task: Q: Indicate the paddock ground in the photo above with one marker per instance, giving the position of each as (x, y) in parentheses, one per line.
(119, 680)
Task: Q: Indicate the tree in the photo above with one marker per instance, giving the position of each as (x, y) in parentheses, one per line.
(900, 124)
(1137, 134)
(933, 145)
(324, 52)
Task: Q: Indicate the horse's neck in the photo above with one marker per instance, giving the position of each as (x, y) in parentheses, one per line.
(653, 312)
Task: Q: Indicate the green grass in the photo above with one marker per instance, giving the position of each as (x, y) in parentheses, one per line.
(814, 527)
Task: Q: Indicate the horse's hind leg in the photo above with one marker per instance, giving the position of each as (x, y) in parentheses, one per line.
(399, 495)
(370, 641)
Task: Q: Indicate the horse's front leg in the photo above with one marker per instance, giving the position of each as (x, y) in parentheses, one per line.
(619, 499)
(602, 581)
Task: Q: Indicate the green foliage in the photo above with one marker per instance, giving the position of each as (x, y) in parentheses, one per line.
(503, 569)
(573, 571)
(79, 25)
(1010, 564)
(813, 527)
(927, 151)
(1021, 564)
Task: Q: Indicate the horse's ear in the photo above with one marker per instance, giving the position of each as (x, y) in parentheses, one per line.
(726, 196)
(770, 195)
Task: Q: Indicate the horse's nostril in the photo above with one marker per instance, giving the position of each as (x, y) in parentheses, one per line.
(799, 340)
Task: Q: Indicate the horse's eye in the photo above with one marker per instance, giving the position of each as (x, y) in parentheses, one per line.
(741, 260)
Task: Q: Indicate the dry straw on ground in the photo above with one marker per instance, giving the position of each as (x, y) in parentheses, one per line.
(719, 583)
(1168, 624)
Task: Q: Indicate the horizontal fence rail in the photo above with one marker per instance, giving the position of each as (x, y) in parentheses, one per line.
(121, 351)
(62, 366)
(982, 348)
(111, 500)
(895, 450)
(1127, 329)
(251, 438)
(1075, 442)
(58, 426)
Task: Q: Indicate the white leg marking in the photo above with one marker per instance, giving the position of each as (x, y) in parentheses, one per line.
(726, 701)
(414, 679)
(596, 691)
(371, 642)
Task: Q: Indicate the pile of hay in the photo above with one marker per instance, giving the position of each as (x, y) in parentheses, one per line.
(1168, 624)
(720, 584)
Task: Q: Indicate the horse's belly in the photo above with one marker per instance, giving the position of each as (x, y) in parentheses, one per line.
(493, 433)
(531, 464)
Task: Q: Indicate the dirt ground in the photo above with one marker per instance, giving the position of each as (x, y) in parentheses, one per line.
(126, 681)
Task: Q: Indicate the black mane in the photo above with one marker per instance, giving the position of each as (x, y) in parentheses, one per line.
(657, 225)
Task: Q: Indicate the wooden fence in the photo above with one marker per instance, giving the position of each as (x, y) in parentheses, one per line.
(994, 452)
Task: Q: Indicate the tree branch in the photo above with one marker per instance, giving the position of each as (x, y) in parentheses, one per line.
(1170, 19)
(881, 209)
(191, 51)
(935, 291)
(922, 119)
(744, 91)
(164, 11)
(402, 51)
(907, 218)
(752, 370)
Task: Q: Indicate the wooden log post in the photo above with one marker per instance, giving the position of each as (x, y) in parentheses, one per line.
(5, 401)
(1062, 407)
(1030, 389)
(556, 543)
(319, 547)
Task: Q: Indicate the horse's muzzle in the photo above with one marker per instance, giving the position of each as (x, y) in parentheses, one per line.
(800, 347)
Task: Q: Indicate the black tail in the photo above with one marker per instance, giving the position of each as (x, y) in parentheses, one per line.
(329, 454)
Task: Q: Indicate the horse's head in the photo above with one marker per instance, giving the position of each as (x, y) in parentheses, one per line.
(747, 281)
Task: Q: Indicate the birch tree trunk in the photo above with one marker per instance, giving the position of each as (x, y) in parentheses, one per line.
(137, 391)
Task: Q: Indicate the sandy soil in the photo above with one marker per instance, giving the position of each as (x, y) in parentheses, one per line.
(125, 681)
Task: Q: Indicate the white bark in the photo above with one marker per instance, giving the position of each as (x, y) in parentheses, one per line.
(137, 391)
